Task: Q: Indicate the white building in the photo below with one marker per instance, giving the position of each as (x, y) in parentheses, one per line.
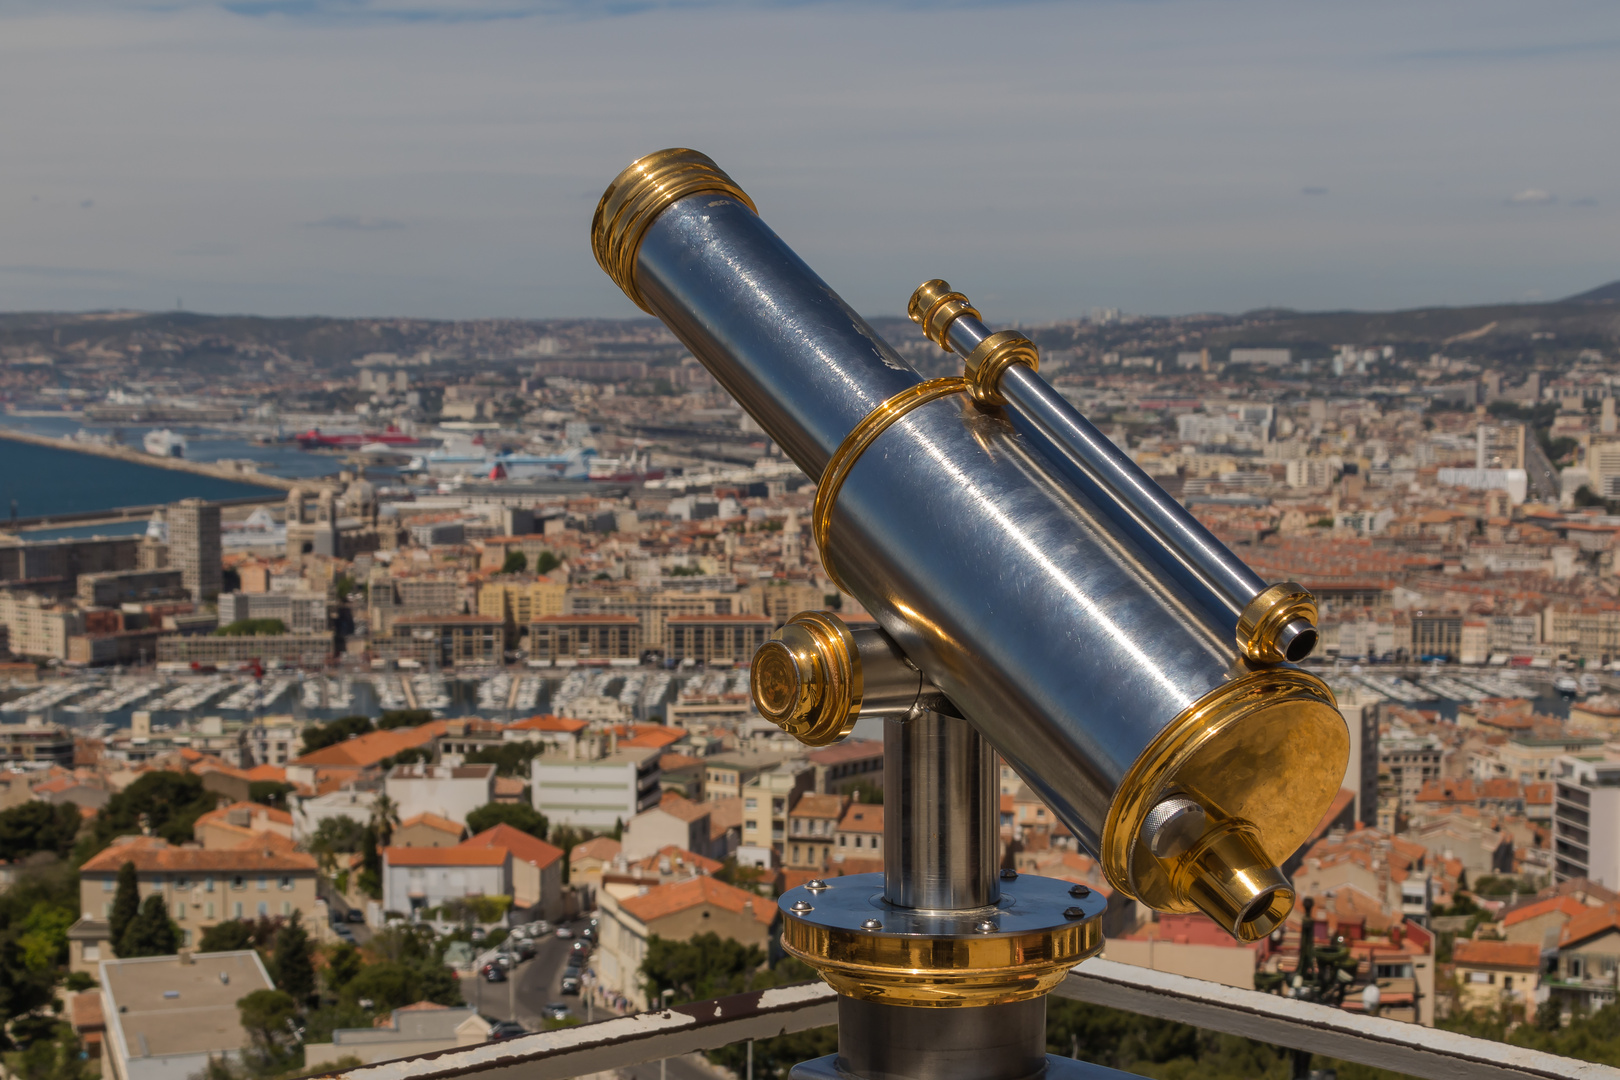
(675, 821)
(301, 612)
(450, 791)
(167, 1016)
(271, 740)
(350, 802)
(598, 793)
(428, 877)
(1586, 819)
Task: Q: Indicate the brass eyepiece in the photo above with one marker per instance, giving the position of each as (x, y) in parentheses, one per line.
(635, 199)
(807, 680)
(1229, 877)
(1279, 625)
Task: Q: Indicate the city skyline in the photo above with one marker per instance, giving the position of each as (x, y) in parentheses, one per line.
(419, 160)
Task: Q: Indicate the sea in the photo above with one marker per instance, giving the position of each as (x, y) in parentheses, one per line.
(37, 481)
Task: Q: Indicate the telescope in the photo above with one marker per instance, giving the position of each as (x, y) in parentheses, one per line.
(1037, 596)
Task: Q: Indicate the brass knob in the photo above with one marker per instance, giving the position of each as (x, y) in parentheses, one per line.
(807, 680)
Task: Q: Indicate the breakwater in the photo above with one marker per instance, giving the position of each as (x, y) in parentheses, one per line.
(217, 470)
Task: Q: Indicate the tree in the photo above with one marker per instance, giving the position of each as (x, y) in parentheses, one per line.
(295, 973)
(546, 562)
(706, 966)
(384, 818)
(270, 793)
(38, 826)
(516, 562)
(320, 736)
(251, 628)
(343, 963)
(267, 1017)
(567, 837)
(336, 836)
(520, 816)
(509, 758)
(126, 903)
(864, 791)
(150, 933)
(398, 718)
(233, 935)
(168, 803)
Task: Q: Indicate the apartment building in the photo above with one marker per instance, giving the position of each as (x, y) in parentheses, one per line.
(448, 640)
(860, 833)
(170, 1017)
(38, 626)
(199, 886)
(708, 639)
(312, 650)
(194, 546)
(812, 831)
(595, 793)
(654, 606)
(766, 798)
(114, 587)
(300, 612)
(450, 791)
(1586, 819)
(585, 637)
(33, 741)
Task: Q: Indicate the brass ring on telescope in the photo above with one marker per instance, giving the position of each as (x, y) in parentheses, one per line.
(934, 306)
(855, 443)
(1266, 615)
(807, 680)
(1267, 748)
(995, 355)
(635, 199)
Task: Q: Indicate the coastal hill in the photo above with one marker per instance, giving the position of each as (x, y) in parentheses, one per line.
(1590, 320)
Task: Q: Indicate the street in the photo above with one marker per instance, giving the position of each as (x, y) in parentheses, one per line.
(534, 984)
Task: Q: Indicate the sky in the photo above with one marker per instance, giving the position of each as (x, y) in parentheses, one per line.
(442, 159)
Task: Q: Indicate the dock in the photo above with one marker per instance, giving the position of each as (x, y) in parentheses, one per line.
(124, 453)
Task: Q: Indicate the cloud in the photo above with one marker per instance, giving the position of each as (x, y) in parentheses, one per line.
(356, 223)
(1532, 197)
(1313, 191)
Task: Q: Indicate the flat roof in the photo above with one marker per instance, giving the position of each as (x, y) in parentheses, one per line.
(163, 1006)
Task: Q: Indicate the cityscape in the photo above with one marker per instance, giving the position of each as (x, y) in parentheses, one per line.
(462, 646)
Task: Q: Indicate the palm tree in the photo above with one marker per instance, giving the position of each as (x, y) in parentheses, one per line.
(384, 817)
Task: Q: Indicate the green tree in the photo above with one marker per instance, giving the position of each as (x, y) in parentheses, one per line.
(320, 736)
(336, 836)
(744, 877)
(38, 826)
(509, 759)
(706, 966)
(251, 628)
(516, 562)
(398, 718)
(295, 971)
(22, 990)
(150, 933)
(546, 562)
(270, 793)
(232, 935)
(267, 1017)
(567, 838)
(126, 902)
(520, 816)
(864, 791)
(44, 937)
(343, 963)
(52, 1053)
(169, 803)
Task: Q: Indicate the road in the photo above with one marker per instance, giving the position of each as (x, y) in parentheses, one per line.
(1540, 473)
(533, 985)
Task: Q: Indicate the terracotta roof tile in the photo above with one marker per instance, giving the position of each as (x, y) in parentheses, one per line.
(460, 855)
(150, 855)
(1496, 954)
(367, 750)
(678, 806)
(665, 900)
(549, 723)
(604, 848)
(434, 821)
(1568, 906)
(1590, 923)
(862, 817)
(530, 849)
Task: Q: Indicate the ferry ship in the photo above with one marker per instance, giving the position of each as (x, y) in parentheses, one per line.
(162, 442)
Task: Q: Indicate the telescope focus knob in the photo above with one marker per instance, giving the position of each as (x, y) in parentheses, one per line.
(807, 680)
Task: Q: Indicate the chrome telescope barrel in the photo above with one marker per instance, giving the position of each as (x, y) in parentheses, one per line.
(1096, 675)
(1262, 619)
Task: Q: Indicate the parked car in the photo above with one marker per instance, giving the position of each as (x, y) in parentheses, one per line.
(570, 984)
(556, 1010)
(502, 961)
(493, 972)
(582, 948)
(355, 915)
(522, 948)
(343, 933)
(506, 1029)
(564, 932)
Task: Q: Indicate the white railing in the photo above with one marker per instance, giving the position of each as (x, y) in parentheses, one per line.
(705, 1025)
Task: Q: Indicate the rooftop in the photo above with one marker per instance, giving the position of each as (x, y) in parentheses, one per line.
(152, 855)
(162, 1005)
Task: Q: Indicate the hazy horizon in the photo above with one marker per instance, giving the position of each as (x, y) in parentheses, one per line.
(424, 159)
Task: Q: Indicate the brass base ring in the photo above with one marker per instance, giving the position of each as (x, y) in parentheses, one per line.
(855, 443)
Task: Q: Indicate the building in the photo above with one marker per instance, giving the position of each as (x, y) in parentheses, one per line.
(232, 826)
(766, 799)
(450, 791)
(309, 650)
(709, 639)
(111, 588)
(536, 885)
(812, 829)
(200, 887)
(726, 774)
(1588, 961)
(411, 1031)
(447, 640)
(653, 607)
(585, 637)
(194, 547)
(520, 601)
(270, 740)
(415, 878)
(675, 821)
(1410, 760)
(1491, 974)
(859, 834)
(301, 612)
(33, 741)
(595, 793)
(781, 600)
(1437, 636)
(1586, 819)
(352, 802)
(169, 1017)
(428, 830)
(64, 558)
(38, 626)
(675, 912)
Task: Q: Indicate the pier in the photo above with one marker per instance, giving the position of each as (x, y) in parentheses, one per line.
(124, 453)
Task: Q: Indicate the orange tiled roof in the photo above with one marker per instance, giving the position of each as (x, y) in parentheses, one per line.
(1496, 954)
(678, 856)
(434, 821)
(532, 850)
(665, 900)
(1590, 923)
(678, 806)
(604, 848)
(814, 804)
(149, 854)
(862, 817)
(1568, 906)
(549, 723)
(256, 810)
(366, 750)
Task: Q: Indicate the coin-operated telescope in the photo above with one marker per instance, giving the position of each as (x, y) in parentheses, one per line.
(1037, 595)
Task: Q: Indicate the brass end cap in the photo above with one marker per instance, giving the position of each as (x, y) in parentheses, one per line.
(1270, 630)
(934, 307)
(1264, 755)
(807, 680)
(635, 199)
(994, 356)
